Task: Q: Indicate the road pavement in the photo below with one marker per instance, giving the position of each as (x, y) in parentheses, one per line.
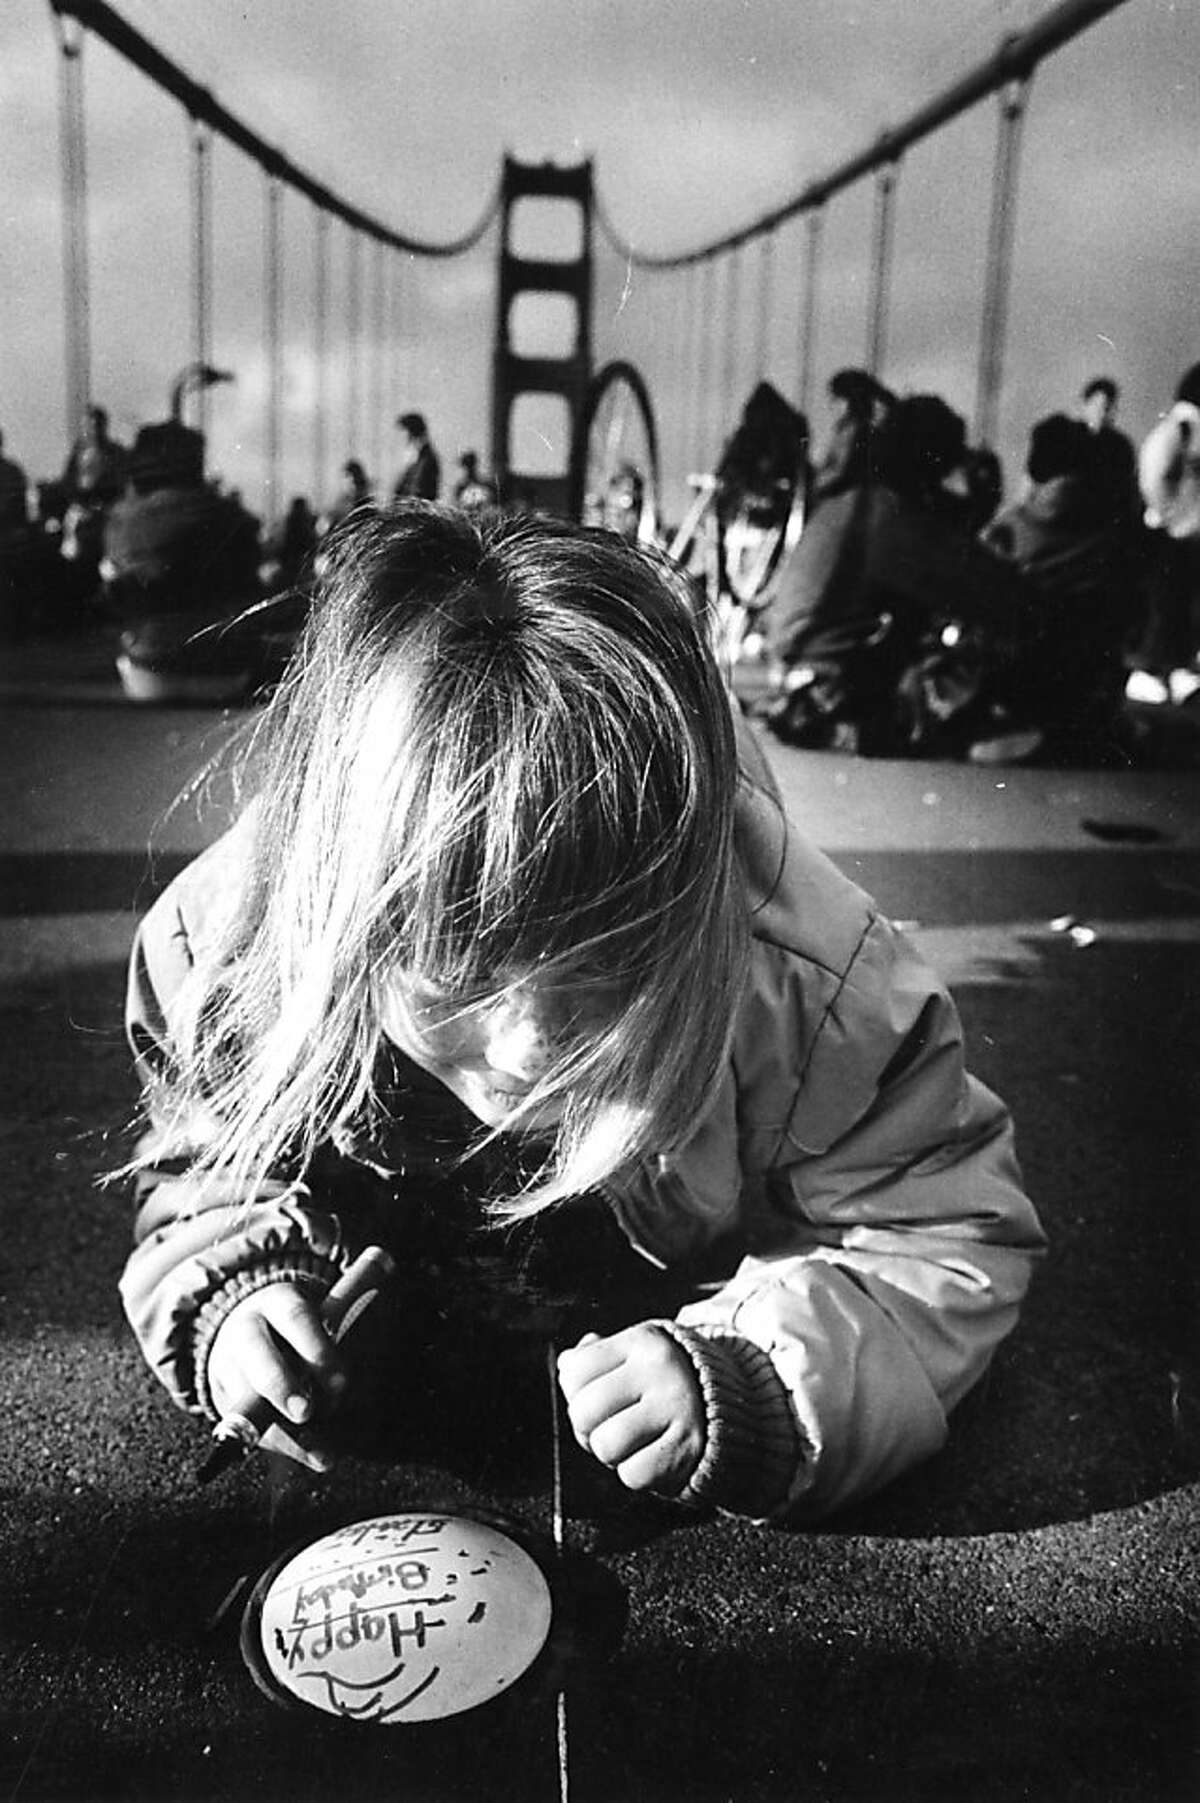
(1016, 1620)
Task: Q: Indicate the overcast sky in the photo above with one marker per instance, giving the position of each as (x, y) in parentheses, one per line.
(699, 114)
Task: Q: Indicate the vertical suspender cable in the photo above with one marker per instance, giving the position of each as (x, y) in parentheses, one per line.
(404, 358)
(648, 291)
(378, 349)
(729, 379)
(881, 267)
(998, 268)
(201, 138)
(320, 356)
(353, 326)
(814, 222)
(766, 272)
(706, 360)
(74, 225)
(397, 358)
(272, 322)
(688, 358)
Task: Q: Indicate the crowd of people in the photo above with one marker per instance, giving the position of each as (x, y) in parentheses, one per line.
(919, 612)
(139, 537)
(922, 614)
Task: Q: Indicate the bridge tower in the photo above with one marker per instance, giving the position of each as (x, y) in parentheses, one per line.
(513, 374)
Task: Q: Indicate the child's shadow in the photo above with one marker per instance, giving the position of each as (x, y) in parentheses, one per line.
(455, 1367)
(455, 1377)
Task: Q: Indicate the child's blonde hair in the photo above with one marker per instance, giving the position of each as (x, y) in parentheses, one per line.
(503, 753)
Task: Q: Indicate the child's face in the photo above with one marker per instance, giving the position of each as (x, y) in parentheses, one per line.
(491, 1053)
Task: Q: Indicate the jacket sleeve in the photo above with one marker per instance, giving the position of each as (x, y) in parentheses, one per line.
(199, 1246)
(892, 1250)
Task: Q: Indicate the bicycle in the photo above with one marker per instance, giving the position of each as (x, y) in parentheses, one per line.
(743, 520)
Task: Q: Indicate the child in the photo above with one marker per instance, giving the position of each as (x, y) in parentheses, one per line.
(511, 857)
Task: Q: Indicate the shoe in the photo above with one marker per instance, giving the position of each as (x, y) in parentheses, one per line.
(141, 682)
(1182, 685)
(1008, 748)
(1144, 686)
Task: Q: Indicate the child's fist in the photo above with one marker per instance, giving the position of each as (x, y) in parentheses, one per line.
(273, 1344)
(635, 1404)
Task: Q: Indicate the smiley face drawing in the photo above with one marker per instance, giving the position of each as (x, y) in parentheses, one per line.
(401, 1618)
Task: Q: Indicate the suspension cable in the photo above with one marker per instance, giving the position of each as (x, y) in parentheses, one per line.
(1017, 56)
(97, 16)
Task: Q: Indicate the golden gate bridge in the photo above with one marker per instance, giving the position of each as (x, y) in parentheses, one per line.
(575, 386)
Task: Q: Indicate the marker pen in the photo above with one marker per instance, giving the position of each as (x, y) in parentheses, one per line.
(239, 1431)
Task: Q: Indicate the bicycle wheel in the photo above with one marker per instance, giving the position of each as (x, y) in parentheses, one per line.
(614, 459)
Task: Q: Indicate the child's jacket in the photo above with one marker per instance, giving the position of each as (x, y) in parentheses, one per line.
(867, 1184)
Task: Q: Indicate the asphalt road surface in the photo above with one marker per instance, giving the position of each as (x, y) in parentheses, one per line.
(1016, 1620)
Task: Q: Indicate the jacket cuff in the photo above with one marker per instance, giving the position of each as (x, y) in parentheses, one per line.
(754, 1446)
(306, 1271)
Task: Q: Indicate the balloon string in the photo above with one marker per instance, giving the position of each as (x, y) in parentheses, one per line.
(564, 1782)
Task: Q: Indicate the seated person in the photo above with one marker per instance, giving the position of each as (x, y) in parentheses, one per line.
(1064, 645)
(878, 567)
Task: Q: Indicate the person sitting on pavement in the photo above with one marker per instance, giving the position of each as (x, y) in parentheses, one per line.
(518, 909)
(180, 556)
(420, 479)
(877, 567)
(1061, 652)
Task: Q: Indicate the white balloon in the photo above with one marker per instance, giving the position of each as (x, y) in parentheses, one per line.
(402, 1618)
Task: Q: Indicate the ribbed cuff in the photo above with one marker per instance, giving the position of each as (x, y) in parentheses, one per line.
(309, 1273)
(754, 1446)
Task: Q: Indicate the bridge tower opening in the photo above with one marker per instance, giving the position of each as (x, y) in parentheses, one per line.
(516, 372)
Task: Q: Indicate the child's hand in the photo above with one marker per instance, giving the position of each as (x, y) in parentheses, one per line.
(635, 1405)
(273, 1344)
